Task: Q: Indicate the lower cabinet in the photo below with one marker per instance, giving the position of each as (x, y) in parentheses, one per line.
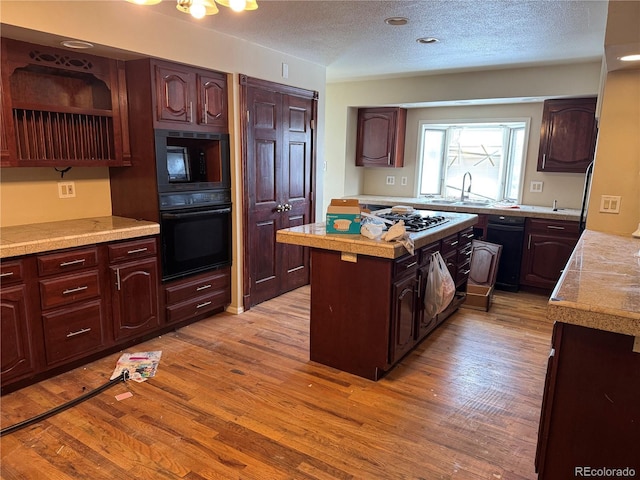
(195, 296)
(62, 307)
(18, 355)
(369, 313)
(548, 246)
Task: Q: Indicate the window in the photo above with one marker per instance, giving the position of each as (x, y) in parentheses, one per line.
(491, 152)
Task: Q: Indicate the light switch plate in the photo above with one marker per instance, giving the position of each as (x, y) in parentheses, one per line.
(536, 186)
(610, 203)
(391, 180)
(66, 189)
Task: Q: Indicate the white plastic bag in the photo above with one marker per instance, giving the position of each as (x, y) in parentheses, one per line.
(440, 287)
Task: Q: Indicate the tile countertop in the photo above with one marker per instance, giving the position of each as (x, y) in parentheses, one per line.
(600, 286)
(42, 237)
(315, 235)
(531, 211)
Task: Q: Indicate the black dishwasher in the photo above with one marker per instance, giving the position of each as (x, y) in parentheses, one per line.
(508, 232)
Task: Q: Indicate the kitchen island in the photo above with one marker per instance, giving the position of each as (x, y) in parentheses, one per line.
(367, 305)
(590, 415)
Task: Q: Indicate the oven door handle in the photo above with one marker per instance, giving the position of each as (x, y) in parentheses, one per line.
(217, 211)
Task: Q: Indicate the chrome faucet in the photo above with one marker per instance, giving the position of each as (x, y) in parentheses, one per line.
(464, 179)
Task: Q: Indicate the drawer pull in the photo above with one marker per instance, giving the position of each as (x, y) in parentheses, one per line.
(73, 262)
(453, 244)
(204, 304)
(466, 272)
(74, 290)
(555, 227)
(137, 250)
(6, 274)
(412, 264)
(79, 332)
(203, 287)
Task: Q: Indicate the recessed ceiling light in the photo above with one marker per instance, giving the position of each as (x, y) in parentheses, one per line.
(77, 44)
(631, 58)
(427, 40)
(396, 21)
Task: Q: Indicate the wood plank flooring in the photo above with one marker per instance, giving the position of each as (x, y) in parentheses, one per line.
(236, 397)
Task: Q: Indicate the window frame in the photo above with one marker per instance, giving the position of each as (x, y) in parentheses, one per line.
(508, 167)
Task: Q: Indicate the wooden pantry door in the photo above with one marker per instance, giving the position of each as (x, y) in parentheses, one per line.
(278, 164)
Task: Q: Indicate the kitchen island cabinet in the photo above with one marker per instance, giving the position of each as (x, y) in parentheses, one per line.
(590, 416)
(366, 305)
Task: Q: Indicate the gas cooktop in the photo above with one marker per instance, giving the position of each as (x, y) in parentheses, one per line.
(415, 221)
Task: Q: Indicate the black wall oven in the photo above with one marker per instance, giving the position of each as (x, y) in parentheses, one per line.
(196, 232)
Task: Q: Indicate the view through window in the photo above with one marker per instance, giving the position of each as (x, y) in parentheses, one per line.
(491, 153)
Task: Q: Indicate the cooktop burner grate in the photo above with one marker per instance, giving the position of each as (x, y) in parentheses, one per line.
(414, 222)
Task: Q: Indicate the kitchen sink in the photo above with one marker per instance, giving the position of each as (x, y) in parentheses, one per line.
(471, 203)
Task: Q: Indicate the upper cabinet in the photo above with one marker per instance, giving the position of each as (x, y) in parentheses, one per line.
(381, 133)
(62, 108)
(188, 98)
(568, 135)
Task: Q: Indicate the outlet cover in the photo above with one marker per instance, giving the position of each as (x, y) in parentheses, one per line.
(66, 189)
(610, 203)
(391, 180)
(403, 180)
(536, 186)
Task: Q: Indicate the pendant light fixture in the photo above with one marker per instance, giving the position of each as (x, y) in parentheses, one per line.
(202, 8)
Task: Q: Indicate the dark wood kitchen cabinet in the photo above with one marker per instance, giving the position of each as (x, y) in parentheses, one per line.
(404, 302)
(72, 309)
(380, 137)
(62, 108)
(590, 416)
(548, 246)
(16, 331)
(568, 135)
(197, 296)
(133, 267)
(187, 98)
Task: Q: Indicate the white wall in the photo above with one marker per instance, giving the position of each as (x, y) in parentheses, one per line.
(499, 86)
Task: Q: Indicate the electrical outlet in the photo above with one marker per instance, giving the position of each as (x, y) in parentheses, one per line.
(403, 180)
(391, 180)
(536, 186)
(66, 189)
(610, 203)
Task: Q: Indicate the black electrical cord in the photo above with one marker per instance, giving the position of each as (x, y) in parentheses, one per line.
(123, 377)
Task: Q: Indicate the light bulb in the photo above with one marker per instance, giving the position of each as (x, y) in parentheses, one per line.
(197, 10)
(237, 5)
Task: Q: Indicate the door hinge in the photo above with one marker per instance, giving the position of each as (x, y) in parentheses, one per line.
(313, 124)
(248, 112)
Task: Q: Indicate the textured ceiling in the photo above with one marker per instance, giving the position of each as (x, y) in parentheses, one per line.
(351, 39)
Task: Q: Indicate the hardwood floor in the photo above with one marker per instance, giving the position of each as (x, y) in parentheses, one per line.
(236, 397)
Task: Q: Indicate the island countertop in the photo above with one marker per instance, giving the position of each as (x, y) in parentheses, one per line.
(42, 237)
(315, 235)
(600, 286)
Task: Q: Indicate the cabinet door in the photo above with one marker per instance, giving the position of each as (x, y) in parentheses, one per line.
(174, 95)
(135, 297)
(403, 321)
(545, 257)
(568, 135)
(212, 101)
(380, 141)
(17, 351)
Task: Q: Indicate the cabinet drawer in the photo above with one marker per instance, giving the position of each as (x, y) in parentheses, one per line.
(119, 252)
(69, 261)
(559, 227)
(405, 265)
(198, 306)
(68, 289)
(11, 272)
(192, 288)
(73, 331)
(449, 243)
(427, 251)
(465, 237)
(464, 254)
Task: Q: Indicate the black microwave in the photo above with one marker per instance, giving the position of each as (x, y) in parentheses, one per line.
(192, 161)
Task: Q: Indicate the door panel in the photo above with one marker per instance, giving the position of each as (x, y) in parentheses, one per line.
(278, 185)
